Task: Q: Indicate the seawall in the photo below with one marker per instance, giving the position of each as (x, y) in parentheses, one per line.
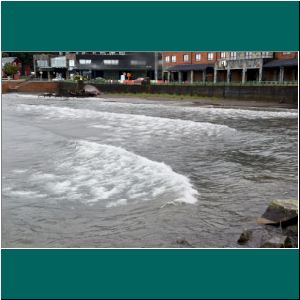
(276, 94)
(30, 87)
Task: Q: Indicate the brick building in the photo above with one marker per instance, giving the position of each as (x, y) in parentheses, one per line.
(283, 68)
(188, 66)
(230, 66)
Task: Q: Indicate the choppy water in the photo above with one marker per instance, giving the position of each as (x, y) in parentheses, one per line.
(103, 173)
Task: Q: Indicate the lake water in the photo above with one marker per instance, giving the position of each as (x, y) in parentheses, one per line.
(134, 173)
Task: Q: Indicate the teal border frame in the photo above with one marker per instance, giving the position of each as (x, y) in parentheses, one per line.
(148, 26)
(150, 273)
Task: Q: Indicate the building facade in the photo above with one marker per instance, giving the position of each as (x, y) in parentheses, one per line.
(230, 66)
(107, 65)
(188, 66)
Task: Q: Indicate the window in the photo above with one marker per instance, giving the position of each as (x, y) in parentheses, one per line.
(198, 56)
(59, 62)
(85, 61)
(248, 55)
(210, 56)
(232, 55)
(223, 55)
(42, 63)
(111, 61)
(138, 62)
(71, 63)
(185, 57)
(267, 54)
(173, 58)
(167, 59)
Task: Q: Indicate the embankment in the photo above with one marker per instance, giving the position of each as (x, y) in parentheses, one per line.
(30, 87)
(278, 94)
(274, 94)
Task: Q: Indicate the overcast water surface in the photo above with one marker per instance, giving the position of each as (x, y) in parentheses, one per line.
(135, 173)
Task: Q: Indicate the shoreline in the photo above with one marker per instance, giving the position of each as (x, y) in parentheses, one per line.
(198, 101)
(180, 99)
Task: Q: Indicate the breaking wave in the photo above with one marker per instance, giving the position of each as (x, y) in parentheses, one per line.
(92, 172)
(125, 121)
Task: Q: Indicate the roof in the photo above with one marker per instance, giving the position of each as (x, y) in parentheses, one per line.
(6, 60)
(190, 67)
(282, 63)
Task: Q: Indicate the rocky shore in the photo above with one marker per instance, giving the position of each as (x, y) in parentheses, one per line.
(276, 228)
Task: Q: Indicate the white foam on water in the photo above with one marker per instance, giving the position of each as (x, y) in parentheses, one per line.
(20, 171)
(207, 111)
(25, 194)
(234, 113)
(128, 122)
(42, 177)
(60, 187)
(113, 176)
(116, 203)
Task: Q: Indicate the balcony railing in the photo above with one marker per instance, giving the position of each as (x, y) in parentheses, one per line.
(200, 83)
(249, 55)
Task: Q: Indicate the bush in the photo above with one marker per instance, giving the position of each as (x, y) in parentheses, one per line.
(10, 69)
(100, 80)
(77, 77)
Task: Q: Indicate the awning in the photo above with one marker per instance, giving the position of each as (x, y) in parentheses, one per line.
(190, 67)
(293, 62)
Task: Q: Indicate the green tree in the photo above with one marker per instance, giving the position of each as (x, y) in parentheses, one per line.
(26, 58)
(10, 69)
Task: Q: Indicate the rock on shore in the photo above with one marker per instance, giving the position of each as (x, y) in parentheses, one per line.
(280, 212)
(283, 215)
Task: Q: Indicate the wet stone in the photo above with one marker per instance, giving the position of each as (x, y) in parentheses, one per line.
(292, 230)
(280, 212)
(278, 242)
(245, 236)
(183, 242)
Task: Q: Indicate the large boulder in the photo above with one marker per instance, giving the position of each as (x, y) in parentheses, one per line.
(280, 212)
(91, 90)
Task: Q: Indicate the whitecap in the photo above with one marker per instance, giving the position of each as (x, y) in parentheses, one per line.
(116, 203)
(129, 122)
(105, 174)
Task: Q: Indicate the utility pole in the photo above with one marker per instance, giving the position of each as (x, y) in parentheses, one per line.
(155, 66)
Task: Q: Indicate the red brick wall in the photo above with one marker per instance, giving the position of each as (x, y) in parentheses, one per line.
(38, 87)
(192, 58)
(204, 58)
(6, 85)
(280, 55)
(30, 87)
